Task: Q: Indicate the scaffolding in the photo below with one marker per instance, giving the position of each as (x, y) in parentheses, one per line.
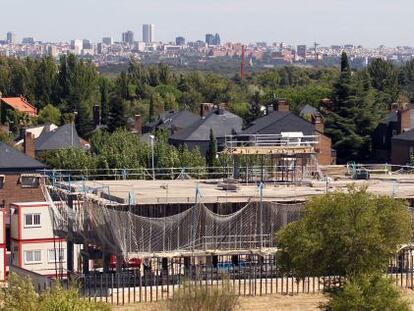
(291, 155)
(118, 229)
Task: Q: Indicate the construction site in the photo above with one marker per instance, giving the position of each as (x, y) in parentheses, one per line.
(149, 230)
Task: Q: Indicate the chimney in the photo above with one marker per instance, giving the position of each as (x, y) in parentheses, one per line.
(394, 107)
(404, 120)
(96, 116)
(138, 124)
(29, 144)
(47, 128)
(318, 123)
(205, 108)
(282, 105)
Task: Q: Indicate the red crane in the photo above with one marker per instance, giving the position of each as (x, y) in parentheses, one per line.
(243, 63)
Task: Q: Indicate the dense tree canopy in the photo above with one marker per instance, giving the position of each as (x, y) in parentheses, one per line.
(344, 233)
(360, 98)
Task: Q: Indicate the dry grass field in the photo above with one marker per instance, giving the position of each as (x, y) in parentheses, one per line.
(264, 303)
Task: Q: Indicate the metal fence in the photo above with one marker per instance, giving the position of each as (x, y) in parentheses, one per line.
(249, 275)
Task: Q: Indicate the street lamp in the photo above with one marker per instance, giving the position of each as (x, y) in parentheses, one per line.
(73, 125)
(152, 156)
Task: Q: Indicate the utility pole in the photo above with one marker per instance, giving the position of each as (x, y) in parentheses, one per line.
(243, 63)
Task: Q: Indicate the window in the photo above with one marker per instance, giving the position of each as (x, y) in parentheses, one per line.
(32, 220)
(2, 177)
(29, 181)
(51, 255)
(33, 256)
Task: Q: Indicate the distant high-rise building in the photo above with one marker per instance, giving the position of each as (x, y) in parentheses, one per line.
(86, 44)
(210, 39)
(107, 40)
(28, 40)
(148, 33)
(213, 39)
(11, 37)
(301, 51)
(180, 41)
(128, 37)
(99, 48)
(217, 39)
(76, 45)
(52, 50)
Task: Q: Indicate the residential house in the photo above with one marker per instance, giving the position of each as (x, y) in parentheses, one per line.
(402, 148)
(19, 104)
(172, 121)
(397, 121)
(221, 121)
(34, 247)
(280, 120)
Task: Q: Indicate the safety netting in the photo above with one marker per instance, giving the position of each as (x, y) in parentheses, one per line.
(118, 229)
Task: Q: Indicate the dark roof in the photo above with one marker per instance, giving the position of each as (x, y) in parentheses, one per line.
(12, 159)
(406, 136)
(63, 137)
(280, 121)
(223, 123)
(391, 117)
(177, 119)
(308, 109)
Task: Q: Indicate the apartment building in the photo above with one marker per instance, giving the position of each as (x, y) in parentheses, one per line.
(34, 247)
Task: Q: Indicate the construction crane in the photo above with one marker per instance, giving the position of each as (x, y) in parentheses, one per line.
(243, 63)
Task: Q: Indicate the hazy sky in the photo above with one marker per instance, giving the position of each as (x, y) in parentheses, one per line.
(367, 22)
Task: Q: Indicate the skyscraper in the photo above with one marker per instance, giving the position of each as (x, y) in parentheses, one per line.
(11, 37)
(180, 41)
(128, 37)
(107, 40)
(148, 33)
(76, 46)
(210, 39)
(217, 39)
(301, 51)
(213, 39)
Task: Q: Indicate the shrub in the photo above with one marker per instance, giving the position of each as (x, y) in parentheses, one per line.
(20, 295)
(199, 298)
(367, 293)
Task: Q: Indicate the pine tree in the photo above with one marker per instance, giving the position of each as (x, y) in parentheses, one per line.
(354, 116)
(212, 150)
(117, 117)
(151, 112)
(104, 90)
(255, 111)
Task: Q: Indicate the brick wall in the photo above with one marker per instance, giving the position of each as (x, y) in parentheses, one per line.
(12, 191)
(323, 148)
(400, 152)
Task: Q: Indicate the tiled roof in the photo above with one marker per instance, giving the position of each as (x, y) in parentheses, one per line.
(12, 159)
(406, 136)
(20, 104)
(224, 123)
(63, 137)
(280, 121)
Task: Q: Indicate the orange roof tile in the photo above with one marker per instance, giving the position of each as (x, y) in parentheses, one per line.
(20, 104)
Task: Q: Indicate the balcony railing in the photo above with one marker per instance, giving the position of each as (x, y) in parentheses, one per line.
(271, 140)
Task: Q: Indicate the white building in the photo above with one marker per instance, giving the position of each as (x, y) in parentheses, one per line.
(76, 46)
(148, 33)
(33, 244)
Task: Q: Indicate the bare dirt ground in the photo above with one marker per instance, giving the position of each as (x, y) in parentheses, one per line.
(264, 303)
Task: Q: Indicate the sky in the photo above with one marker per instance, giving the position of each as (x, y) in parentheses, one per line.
(367, 22)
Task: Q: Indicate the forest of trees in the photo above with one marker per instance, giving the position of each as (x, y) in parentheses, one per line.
(67, 90)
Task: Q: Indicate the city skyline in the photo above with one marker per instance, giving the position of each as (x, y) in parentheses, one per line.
(370, 23)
